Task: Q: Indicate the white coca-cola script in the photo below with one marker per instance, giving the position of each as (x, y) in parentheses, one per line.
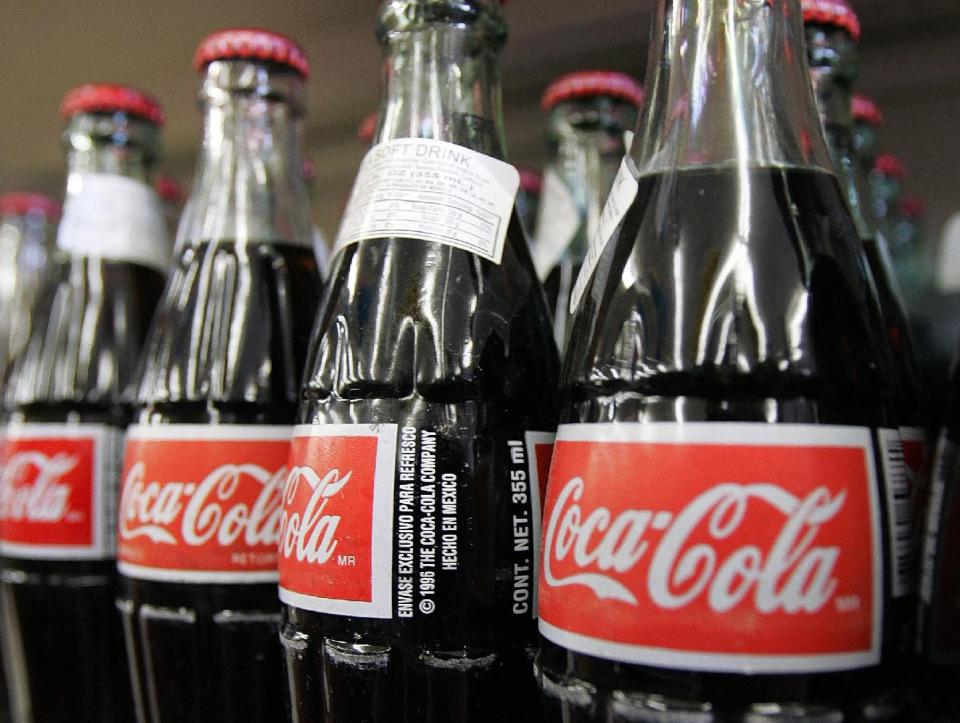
(311, 535)
(32, 487)
(207, 510)
(792, 575)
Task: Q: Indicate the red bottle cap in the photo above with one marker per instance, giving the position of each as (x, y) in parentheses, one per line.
(589, 83)
(913, 206)
(832, 12)
(530, 181)
(367, 128)
(308, 171)
(889, 165)
(169, 190)
(251, 44)
(110, 98)
(21, 203)
(866, 110)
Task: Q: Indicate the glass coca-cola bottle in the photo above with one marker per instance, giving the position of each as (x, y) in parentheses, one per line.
(27, 233)
(215, 401)
(938, 622)
(832, 32)
(719, 539)
(407, 553)
(867, 119)
(910, 250)
(67, 405)
(589, 113)
(886, 180)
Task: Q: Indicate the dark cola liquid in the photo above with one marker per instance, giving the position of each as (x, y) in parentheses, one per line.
(558, 285)
(458, 353)
(898, 334)
(238, 320)
(772, 325)
(62, 639)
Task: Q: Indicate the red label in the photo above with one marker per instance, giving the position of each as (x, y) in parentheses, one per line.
(727, 547)
(202, 503)
(336, 549)
(54, 489)
(914, 455)
(540, 453)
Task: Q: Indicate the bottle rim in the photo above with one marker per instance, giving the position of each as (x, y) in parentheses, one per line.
(251, 44)
(591, 83)
(112, 98)
(836, 13)
(24, 203)
(890, 166)
(866, 109)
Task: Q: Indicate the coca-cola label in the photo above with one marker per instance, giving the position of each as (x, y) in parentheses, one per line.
(202, 503)
(57, 491)
(405, 522)
(727, 547)
(336, 539)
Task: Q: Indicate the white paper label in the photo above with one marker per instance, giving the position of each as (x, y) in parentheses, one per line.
(557, 222)
(115, 218)
(622, 193)
(899, 528)
(434, 191)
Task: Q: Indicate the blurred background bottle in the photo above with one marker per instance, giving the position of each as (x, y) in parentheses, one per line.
(589, 112)
(68, 404)
(28, 223)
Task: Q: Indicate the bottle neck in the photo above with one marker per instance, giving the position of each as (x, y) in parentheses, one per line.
(832, 57)
(587, 137)
(442, 73)
(866, 144)
(112, 144)
(248, 185)
(730, 89)
(110, 210)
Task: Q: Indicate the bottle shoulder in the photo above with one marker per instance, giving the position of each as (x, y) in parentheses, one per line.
(404, 318)
(88, 330)
(232, 326)
(733, 279)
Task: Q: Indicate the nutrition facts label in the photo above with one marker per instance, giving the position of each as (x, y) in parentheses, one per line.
(435, 191)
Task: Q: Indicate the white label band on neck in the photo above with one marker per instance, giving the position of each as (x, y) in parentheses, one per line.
(115, 218)
(622, 193)
(431, 190)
